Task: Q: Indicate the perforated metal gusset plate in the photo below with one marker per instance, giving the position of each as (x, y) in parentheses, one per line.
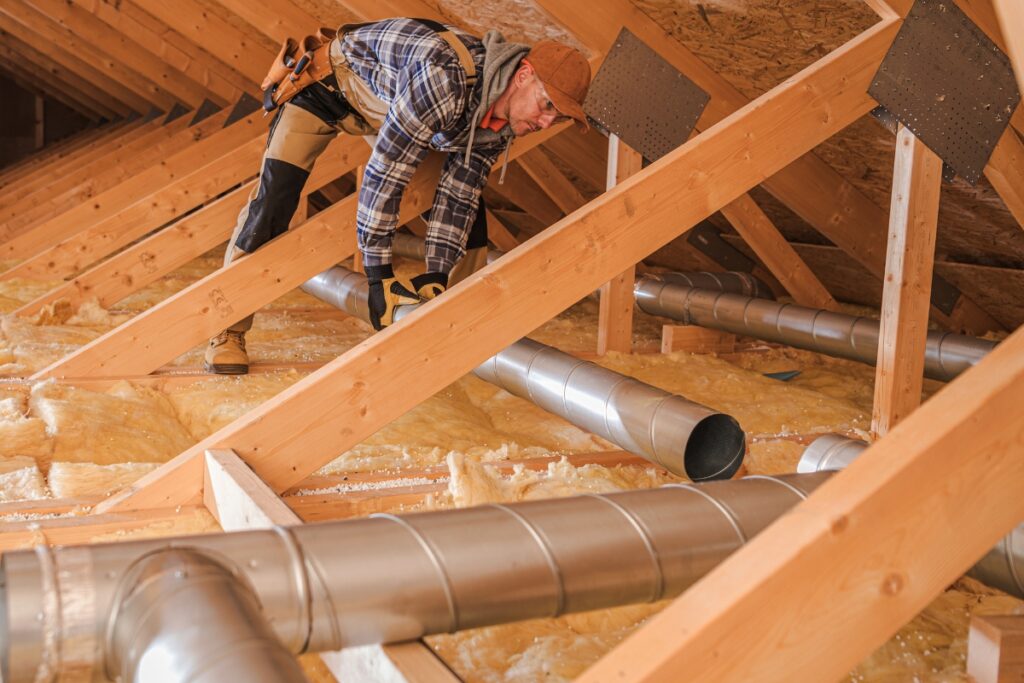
(643, 99)
(949, 84)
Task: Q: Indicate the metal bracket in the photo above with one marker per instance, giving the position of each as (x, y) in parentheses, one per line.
(643, 99)
(949, 84)
(176, 112)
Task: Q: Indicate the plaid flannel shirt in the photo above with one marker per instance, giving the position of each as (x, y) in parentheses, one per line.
(430, 107)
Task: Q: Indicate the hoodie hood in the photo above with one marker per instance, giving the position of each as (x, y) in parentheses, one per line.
(501, 60)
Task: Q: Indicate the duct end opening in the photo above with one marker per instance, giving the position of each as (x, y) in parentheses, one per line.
(715, 449)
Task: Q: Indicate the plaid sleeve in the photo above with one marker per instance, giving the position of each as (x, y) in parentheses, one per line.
(455, 207)
(424, 103)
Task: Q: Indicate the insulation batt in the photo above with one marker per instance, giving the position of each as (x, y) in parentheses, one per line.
(100, 441)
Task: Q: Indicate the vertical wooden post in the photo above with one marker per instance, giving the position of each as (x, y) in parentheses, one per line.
(40, 130)
(615, 317)
(913, 221)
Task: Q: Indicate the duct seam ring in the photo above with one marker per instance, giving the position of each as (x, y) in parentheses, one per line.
(645, 536)
(446, 582)
(718, 504)
(50, 664)
(549, 556)
(302, 588)
(785, 484)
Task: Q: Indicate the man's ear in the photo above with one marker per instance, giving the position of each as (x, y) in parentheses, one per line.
(524, 74)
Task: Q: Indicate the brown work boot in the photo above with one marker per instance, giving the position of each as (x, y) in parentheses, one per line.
(225, 354)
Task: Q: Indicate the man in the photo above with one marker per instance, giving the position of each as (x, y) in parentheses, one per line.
(417, 85)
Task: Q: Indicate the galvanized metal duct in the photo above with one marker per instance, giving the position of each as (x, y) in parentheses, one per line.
(413, 247)
(410, 576)
(835, 334)
(1002, 567)
(181, 616)
(683, 437)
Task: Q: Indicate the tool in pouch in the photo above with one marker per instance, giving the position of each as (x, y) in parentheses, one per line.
(295, 69)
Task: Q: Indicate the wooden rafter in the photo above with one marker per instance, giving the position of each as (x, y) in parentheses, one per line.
(31, 78)
(226, 84)
(133, 153)
(350, 398)
(76, 147)
(116, 80)
(225, 42)
(47, 69)
(277, 19)
(1011, 24)
(184, 240)
(899, 375)
(126, 51)
(109, 205)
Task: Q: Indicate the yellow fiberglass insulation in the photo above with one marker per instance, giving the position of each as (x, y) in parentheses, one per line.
(20, 479)
(127, 423)
(84, 479)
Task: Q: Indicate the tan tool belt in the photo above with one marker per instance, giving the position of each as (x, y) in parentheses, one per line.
(320, 55)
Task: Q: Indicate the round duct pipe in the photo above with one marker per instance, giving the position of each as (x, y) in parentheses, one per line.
(834, 334)
(1002, 567)
(413, 247)
(685, 438)
(180, 616)
(412, 576)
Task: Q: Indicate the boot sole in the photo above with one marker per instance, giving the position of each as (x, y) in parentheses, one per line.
(226, 368)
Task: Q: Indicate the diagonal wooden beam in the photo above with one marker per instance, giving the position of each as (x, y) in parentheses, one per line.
(781, 259)
(520, 189)
(85, 247)
(1011, 23)
(109, 204)
(899, 374)
(186, 239)
(848, 217)
(198, 312)
(152, 71)
(277, 19)
(118, 80)
(1005, 170)
(554, 183)
(241, 52)
(875, 544)
(358, 393)
(135, 153)
(224, 83)
(74, 146)
(22, 55)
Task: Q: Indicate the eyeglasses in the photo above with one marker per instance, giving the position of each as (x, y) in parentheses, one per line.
(547, 106)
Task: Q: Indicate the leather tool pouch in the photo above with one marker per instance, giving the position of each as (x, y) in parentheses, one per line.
(297, 66)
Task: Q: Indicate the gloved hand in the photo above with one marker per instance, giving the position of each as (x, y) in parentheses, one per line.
(430, 285)
(385, 296)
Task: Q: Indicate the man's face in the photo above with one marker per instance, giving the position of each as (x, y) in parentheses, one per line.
(530, 109)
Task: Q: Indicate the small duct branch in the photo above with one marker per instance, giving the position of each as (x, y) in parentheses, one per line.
(683, 437)
(1002, 567)
(180, 606)
(834, 334)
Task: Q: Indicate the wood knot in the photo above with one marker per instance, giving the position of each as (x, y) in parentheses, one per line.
(892, 584)
(839, 524)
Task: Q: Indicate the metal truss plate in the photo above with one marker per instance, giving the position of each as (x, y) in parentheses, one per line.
(708, 240)
(949, 84)
(246, 104)
(643, 99)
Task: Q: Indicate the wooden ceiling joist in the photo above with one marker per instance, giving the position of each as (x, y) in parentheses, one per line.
(331, 410)
(224, 84)
(151, 71)
(107, 74)
(809, 187)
